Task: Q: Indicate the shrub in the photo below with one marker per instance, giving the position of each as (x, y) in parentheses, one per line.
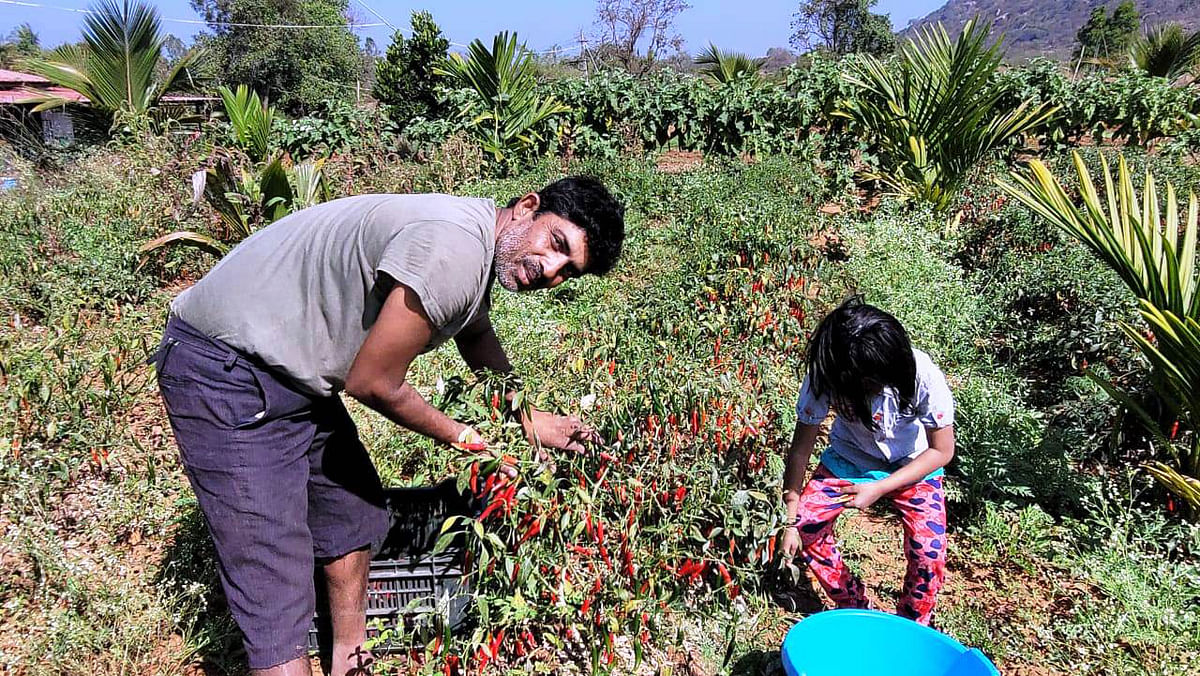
(405, 82)
(933, 112)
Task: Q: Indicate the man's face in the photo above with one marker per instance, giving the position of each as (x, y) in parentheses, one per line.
(539, 252)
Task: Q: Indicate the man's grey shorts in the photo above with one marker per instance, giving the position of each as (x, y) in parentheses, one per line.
(281, 477)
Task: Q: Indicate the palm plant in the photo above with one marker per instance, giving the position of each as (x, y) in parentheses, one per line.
(726, 67)
(934, 111)
(505, 109)
(251, 187)
(1166, 51)
(250, 121)
(114, 68)
(1153, 249)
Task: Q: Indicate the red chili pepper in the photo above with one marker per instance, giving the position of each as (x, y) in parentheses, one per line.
(587, 605)
(532, 531)
(585, 551)
(771, 548)
(495, 400)
(1174, 429)
(475, 478)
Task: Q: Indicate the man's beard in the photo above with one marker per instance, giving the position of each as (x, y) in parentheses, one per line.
(508, 258)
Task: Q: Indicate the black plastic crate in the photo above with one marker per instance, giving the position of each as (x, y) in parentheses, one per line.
(407, 581)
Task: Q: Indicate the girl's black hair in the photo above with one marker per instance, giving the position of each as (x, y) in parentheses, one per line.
(855, 343)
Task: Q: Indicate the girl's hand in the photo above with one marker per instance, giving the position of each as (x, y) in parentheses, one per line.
(861, 496)
(790, 544)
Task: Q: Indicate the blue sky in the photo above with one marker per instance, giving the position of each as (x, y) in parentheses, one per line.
(750, 26)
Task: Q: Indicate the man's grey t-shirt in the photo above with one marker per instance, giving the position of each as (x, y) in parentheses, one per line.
(301, 294)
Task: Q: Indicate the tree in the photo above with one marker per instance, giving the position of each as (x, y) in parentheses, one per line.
(25, 41)
(843, 27)
(1105, 35)
(629, 26)
(294, 68)
(115, 68)
(22, 43)
(405, 79)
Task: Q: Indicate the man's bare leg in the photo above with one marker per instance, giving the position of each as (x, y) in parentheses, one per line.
(346, 581)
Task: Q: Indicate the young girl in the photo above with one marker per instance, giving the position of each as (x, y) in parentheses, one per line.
(893, 433)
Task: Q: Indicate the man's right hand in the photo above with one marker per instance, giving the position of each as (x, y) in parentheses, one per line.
(564, 432)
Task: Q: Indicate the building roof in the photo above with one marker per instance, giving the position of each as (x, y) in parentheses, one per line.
(11, 77)
(16, 94)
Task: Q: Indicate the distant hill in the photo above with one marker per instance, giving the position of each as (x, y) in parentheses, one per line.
(1048, 27)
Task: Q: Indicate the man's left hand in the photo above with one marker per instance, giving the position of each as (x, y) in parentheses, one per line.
(568, 433)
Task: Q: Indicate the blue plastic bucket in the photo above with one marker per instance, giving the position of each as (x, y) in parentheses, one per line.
(850, 642)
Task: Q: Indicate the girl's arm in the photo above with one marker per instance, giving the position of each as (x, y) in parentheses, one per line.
(939, 453)
(796, 467)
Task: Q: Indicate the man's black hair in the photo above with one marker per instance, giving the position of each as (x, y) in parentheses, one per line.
(584, 201)
(859, 342)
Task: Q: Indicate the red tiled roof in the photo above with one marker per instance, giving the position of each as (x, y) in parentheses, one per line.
(8, 77)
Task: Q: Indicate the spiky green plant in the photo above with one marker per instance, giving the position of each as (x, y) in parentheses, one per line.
(725, 67)
(1167, 51)
(506, 107)
(114, 68)
(1152, 247)
(251, 188)
(250, 121)
(934, 111)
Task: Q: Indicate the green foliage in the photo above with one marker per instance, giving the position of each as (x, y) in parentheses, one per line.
(1153, 249)
(1107, 35)
(251, 186)
(665, 109)
(295, 69)
(1130, 106)
(335, 125)
(506, 109)
(405, 83)
(249, 120)
(22, 43)
(1166, 51)
(933, 112)
(115, 67)
(843, 27)
(725, 67)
